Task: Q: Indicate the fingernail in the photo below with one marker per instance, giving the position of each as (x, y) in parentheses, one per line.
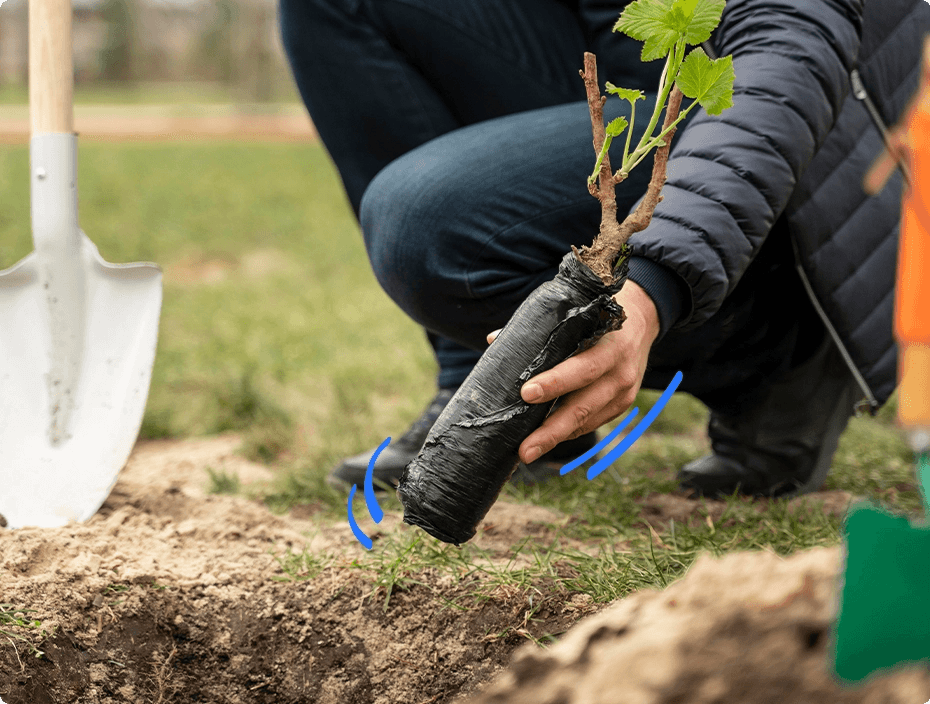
(532, 392)
(533, 454)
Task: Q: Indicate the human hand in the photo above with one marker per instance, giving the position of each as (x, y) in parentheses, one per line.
(598, 384)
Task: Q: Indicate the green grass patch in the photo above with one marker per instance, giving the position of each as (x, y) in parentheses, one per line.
(22, 629)
(302, 565)
(222, 482)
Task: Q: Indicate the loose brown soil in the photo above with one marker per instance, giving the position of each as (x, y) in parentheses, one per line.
(750, 627)
(170, 594)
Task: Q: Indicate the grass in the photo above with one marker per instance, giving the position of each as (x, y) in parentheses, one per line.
(273, 326)
(629, 553)
(18, 626)
(302, 565)
(222, 482)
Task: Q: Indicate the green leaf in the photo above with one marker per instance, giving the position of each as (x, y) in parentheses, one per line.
(708, 82)
(704, 19)
(687, 7)
(643, 18)
(661, 23)
(625, 93)
(678, 20)
(616, 126)
(649, 21)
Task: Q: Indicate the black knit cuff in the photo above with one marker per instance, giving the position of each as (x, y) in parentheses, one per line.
(667, 290)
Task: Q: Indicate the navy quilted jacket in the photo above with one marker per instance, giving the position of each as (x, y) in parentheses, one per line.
(796, 144)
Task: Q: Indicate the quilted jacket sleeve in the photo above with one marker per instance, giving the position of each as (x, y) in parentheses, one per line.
(730, 176)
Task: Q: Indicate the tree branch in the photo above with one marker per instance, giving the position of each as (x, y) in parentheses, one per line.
(605, 191)
(601, 256)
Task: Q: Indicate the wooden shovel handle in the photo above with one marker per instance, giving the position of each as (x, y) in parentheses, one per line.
(51, 66)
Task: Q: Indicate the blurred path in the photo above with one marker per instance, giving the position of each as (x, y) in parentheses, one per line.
(172, 122)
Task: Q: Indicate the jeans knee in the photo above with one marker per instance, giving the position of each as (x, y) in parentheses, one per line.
(404, 221)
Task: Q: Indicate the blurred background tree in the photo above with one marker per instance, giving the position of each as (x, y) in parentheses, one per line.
(117, 54)
(216, 57)
(128, 45)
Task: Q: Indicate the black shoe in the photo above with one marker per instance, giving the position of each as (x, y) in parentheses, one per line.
(397, 455)
(548, 466)
(785, 444)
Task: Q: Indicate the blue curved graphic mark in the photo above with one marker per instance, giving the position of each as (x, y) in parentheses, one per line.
(602, 444)
(371, 502)
(632, 437)
(640, 428)
(360, 536)
(373, 508)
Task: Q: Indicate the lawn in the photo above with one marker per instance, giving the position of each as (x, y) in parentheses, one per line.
(274, 326)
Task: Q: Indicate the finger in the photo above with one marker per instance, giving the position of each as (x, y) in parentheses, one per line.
(574, 373)
(579, 413)
(493, 335)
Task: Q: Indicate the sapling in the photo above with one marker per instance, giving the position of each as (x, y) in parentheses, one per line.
(471, 450)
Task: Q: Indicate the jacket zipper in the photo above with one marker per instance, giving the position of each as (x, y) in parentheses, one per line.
(869, 403)
(862, 95)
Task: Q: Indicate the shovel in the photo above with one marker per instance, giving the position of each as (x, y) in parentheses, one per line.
(77, 334)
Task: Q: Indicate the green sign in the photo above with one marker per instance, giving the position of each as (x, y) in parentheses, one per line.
(884, 617)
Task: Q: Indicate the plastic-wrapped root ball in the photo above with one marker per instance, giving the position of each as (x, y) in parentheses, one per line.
(471, 450)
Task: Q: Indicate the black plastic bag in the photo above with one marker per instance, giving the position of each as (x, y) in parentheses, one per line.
(471, 450)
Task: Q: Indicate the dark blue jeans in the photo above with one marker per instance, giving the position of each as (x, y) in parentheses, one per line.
(462, 136)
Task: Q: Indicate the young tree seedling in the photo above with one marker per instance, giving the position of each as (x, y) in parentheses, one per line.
(472, 449)
(668, 28)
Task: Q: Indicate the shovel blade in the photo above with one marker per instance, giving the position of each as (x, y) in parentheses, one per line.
(45, 483)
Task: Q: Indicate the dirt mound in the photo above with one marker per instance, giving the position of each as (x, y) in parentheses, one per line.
(170, 594)
(750, 627)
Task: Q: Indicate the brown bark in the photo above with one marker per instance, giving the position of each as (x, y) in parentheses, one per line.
(601, 256)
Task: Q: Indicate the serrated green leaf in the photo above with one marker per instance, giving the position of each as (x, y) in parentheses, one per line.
(708, 82)
(678, 20)
(625, 93)
(649, 21)
(660, 46)
(616, 126)
(641, 19)
(687, 7)
(661, 23)
(703, 20)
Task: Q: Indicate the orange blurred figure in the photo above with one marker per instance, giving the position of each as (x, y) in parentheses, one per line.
(910, 143)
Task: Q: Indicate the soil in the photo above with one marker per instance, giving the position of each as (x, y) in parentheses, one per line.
(171, 594)
(749, 627)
